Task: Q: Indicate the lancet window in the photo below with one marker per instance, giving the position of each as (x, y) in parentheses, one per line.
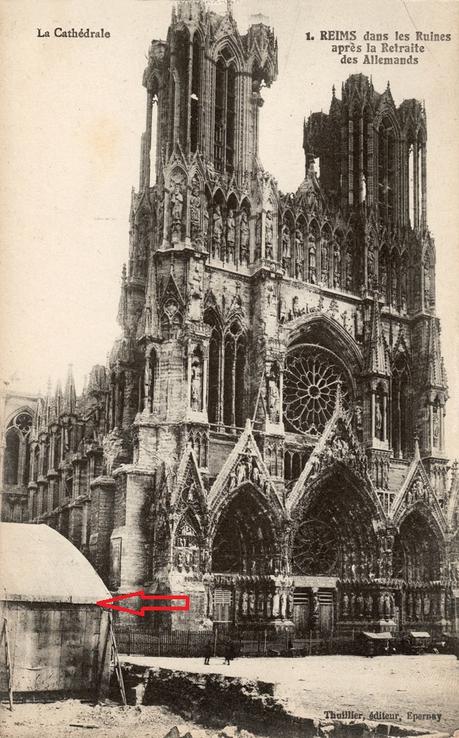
(225, 115)
(15, 467)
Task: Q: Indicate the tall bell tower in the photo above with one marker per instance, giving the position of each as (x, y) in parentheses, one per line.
(192, 239)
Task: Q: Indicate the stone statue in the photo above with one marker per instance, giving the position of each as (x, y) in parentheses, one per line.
(299, 254)
(196, 384)
(312, 268)
(379, 417)
(269, 605)
(436, 427)
(269, 235)
(324, 257)
(427, 284)
(348, 270)
(176, 212)
(418, 606)
(244, 237)
(371, 265)
(336, 265)
(285, 246)
(217, 232)
(410, 606)
(241, 471)
(394, 285)
(195, 211)
(383, 276)
(255, 473)
(160, 218)
(245, 603)
(273, 397)
(369, 606)
(230, 235)
(206, 224)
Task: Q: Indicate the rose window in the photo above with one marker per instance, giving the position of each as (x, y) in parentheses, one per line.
(23, 422)
(311, 377)
(316, 550)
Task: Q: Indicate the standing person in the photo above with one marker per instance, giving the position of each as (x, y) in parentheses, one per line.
(207, 653)
(229, 652)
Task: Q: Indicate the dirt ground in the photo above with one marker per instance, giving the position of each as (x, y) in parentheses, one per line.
(308, 686)
(400, 685)
(77, 719)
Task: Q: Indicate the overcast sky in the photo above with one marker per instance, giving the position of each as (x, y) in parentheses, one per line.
(72, 114)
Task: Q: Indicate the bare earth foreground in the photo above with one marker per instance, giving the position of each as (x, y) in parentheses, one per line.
(310, 686)
(316, 684)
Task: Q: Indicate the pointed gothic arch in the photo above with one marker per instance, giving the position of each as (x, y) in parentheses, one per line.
(195, 100)
(215, 364)
(335, 526)
(243, 533)
(401, 425)
(418, 546)
(225, 111)
(234, 366)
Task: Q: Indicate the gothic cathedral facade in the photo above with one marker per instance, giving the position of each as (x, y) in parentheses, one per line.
(268, 433)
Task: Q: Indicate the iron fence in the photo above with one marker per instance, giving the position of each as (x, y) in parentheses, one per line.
(133, 640)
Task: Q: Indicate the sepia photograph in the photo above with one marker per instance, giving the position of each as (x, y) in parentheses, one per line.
(229, 368)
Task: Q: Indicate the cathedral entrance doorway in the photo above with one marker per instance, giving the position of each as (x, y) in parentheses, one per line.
(314, 605)
(243, 539)
(417, 561)
(248, 588)
(334, 543)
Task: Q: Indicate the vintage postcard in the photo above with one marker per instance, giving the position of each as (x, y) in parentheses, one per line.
(229, 397)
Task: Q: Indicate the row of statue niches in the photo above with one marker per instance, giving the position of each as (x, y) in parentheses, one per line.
(259, 603)
(226, 232)
(424, 605)
(364, 604)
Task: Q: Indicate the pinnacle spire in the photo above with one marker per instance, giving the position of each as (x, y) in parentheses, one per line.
(436, 375)
(70, 392)
(122, 305)
(376, 359)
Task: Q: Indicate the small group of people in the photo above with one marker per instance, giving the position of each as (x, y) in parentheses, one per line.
(229, 652)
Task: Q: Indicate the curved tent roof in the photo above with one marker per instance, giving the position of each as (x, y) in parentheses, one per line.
(38, 564)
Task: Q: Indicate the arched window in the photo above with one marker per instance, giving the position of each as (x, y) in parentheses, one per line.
(233, 376)
(57, 451)
(195, 96)
(11, 465)
(401, 426)
(311, 377)
(225, 115)
(360, 156)
(172, 110)
(141, 391)
(213, 382)
(171, 320)
(16, 459)
(150, 379)
(386, 169)
(383, 273)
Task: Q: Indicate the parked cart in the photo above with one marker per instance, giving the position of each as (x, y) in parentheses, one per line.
(376, 644)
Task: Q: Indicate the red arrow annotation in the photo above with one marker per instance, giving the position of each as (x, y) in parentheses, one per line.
(110, 603)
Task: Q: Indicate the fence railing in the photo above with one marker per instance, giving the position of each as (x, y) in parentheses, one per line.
(135, 641)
